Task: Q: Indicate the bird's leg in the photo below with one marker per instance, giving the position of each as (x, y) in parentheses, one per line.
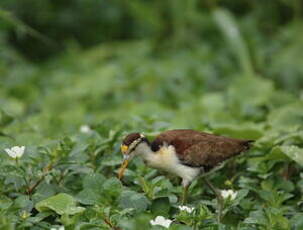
(218, 196)
(217, 193)
(185, 185)
(184, 195)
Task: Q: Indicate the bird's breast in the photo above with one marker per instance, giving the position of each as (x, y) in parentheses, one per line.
(166, 159)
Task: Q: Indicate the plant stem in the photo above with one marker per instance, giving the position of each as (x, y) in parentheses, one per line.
(34, 186)
(23, 170)
(109, 223)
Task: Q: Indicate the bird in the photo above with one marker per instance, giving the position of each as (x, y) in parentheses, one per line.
(185, 153)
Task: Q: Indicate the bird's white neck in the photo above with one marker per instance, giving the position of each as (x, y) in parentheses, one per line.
(145, 152)
(166, 159)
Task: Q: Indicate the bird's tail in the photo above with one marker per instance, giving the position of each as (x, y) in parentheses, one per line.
(248, 144)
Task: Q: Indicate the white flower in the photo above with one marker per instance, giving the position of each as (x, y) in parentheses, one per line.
(60, 228)
(228, 194)
(15, 152)
(160, 220)
(85, 129)
(186, 209)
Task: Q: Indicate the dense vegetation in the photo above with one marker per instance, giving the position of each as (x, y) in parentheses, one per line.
(234, 69)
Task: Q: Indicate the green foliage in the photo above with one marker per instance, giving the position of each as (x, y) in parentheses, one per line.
(62, 204)
(232, 34)
(41, 28)
(133, 200)
(72, 112)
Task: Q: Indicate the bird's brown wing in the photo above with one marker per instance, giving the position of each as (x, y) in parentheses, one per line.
(199, 149)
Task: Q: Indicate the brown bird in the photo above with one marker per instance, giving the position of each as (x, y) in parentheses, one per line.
(185, 153)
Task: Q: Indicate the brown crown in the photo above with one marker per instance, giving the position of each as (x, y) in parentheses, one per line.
(130, 138)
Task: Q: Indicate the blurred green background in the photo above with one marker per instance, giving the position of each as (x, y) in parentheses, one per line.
(174, 64)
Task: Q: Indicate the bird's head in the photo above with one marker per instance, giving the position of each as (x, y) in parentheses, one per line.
(129, 149)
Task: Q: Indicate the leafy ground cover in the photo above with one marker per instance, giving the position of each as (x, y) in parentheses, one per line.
(72, 112)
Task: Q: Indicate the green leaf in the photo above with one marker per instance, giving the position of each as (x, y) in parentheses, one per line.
(112, 187)
(293, 152)
(61, 204)
(23, 202)
(287, 117)
(93, 181)
(297, 221)
(240, 196)
(5, 202)
(131, 199)
(248, 131)
(265, 163)
(176, 227)
(160, 206)
(5, 119)
(97, 189)
(250, 91)
(256, 217)
(89, 197)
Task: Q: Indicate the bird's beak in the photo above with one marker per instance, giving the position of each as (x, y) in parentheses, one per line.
(124, 165)
(124, 149)
(122, 169)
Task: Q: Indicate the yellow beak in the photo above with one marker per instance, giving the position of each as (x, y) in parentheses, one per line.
(122, 169)
(124, 165)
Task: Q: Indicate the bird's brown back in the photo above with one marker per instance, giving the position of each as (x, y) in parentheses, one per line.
(198, 149)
